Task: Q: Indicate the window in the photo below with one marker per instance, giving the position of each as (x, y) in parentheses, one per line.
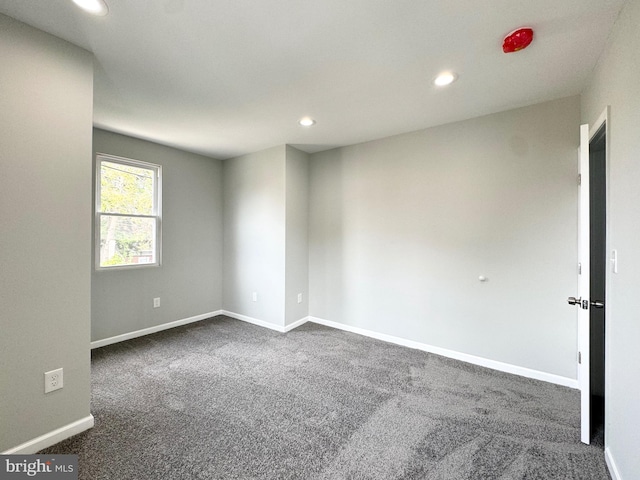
(128, 215)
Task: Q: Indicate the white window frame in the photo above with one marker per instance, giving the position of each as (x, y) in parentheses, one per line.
(156, 213)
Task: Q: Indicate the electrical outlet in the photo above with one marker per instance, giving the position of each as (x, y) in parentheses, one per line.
(255, 296)
(156, 302)
(53, 380)
(299, 298)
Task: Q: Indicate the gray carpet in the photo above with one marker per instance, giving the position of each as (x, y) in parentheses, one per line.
(222, 399)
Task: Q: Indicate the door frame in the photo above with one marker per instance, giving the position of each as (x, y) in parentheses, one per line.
(586, 135)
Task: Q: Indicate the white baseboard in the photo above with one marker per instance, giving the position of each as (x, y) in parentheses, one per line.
(53, 437)
(254, 321)
(296, 324)
(483, 362)
(613, 468)
(262, 323)
(150, 330)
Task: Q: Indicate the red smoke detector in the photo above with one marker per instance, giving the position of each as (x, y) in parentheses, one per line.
(517, 40)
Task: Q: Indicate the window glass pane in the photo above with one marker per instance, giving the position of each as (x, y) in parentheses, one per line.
(126, 189)
(127, 240)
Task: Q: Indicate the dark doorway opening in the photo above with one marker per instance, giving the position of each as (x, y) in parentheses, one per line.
(598, 260)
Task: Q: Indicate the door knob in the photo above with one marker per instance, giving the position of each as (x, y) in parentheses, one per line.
(597, 304)
(574, 301)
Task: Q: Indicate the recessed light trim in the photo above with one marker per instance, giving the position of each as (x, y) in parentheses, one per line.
(307, 121)
(444, 79)
(94, 7)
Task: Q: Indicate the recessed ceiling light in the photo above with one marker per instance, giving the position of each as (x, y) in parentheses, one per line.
(94, 7)
(445, 78)
(306, 121)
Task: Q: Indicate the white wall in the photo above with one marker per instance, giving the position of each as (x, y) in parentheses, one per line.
(297, 235)
(401, 229)
(46, 108)
(615, 82)
(254, 235)
(189, 281)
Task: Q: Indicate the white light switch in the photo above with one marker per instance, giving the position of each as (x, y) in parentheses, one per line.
(614, 261)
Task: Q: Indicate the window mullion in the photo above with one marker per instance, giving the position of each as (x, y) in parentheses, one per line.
(134, 215)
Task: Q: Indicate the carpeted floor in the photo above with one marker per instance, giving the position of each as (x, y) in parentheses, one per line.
(222, 399)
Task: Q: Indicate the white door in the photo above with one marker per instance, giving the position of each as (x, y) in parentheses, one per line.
(583, 288)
